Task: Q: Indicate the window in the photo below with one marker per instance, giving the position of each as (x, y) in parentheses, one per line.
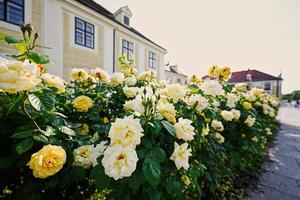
(12, 11)
(178, 80)
(127, 49)
(126, 20)
(267, 86)
(152, 60)
(84, 33)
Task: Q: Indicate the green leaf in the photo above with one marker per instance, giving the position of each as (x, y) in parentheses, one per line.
(156, 127)
(66, 130)
(43, 102)
(173, 186)
(101, 180)
(35, 101)
(14, 104)
(155, 195)
(2, 36)
(136, 180)
(159, 154)
(12, 40)
(21, 47)
(22, 134)
(47, 102)
(147, 143)
(24, 146)
(38, 58)
(72, 124)
(169, 127)
(151, 171)
(40, 138)
(58, 122)
(78, 173)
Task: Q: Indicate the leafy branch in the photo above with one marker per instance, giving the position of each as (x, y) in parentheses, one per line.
(26, 45)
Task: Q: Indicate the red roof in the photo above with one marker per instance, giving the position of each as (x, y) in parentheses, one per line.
(241, 76)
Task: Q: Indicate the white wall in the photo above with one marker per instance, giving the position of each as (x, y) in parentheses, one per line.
(108, 48)
(141, 58)
(161, 68)
(52, 28)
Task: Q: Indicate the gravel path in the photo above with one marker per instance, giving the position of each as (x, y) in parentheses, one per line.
(280, 179)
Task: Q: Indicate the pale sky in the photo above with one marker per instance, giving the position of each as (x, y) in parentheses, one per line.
(242, 34)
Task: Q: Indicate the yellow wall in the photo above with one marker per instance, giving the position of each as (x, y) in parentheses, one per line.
(14, 30)
(79, 56)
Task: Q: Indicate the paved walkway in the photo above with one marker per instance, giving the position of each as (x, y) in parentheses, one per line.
(280, 179)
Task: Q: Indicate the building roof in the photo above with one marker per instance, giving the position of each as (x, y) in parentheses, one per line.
(174, 69)
(101, 10)
(241, 76)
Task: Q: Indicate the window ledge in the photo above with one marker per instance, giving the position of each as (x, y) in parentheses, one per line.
(77, 46)
(9, 26)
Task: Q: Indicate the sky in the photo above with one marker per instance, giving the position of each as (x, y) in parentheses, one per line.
(255, 34)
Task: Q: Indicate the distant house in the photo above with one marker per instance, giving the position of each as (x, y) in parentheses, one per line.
(82, 34)
(258, 79)
(174, 76)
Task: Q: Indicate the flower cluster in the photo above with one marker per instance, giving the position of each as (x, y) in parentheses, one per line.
(129, 132)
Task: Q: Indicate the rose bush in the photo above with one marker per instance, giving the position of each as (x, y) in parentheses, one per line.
(128, 136)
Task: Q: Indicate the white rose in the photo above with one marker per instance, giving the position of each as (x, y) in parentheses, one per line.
(216, 104)
(126, 132)
(130, 92)
(167, 110)
(130, 81)
(16, 76)
(83, 156)
(219, 138)
(117, 78)
(146, 92)
(231, 100)
(257, 92)
(147, 76)
(217, 125)
(54, 81)
(184, 129)
(212, 87)
(227, 115)
(135, 105)
(98, 150)
(181, 156)
(175, 91)
(198, 100)
(236, 114)
(250, 121)
(119, 161)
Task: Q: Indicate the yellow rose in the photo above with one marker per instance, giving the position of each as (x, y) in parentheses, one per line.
(225, 72)
(105, 120)
(78, 74)
(47, 161)
(84, 129)
(212, 71)
(82, 103)
(247, 105)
